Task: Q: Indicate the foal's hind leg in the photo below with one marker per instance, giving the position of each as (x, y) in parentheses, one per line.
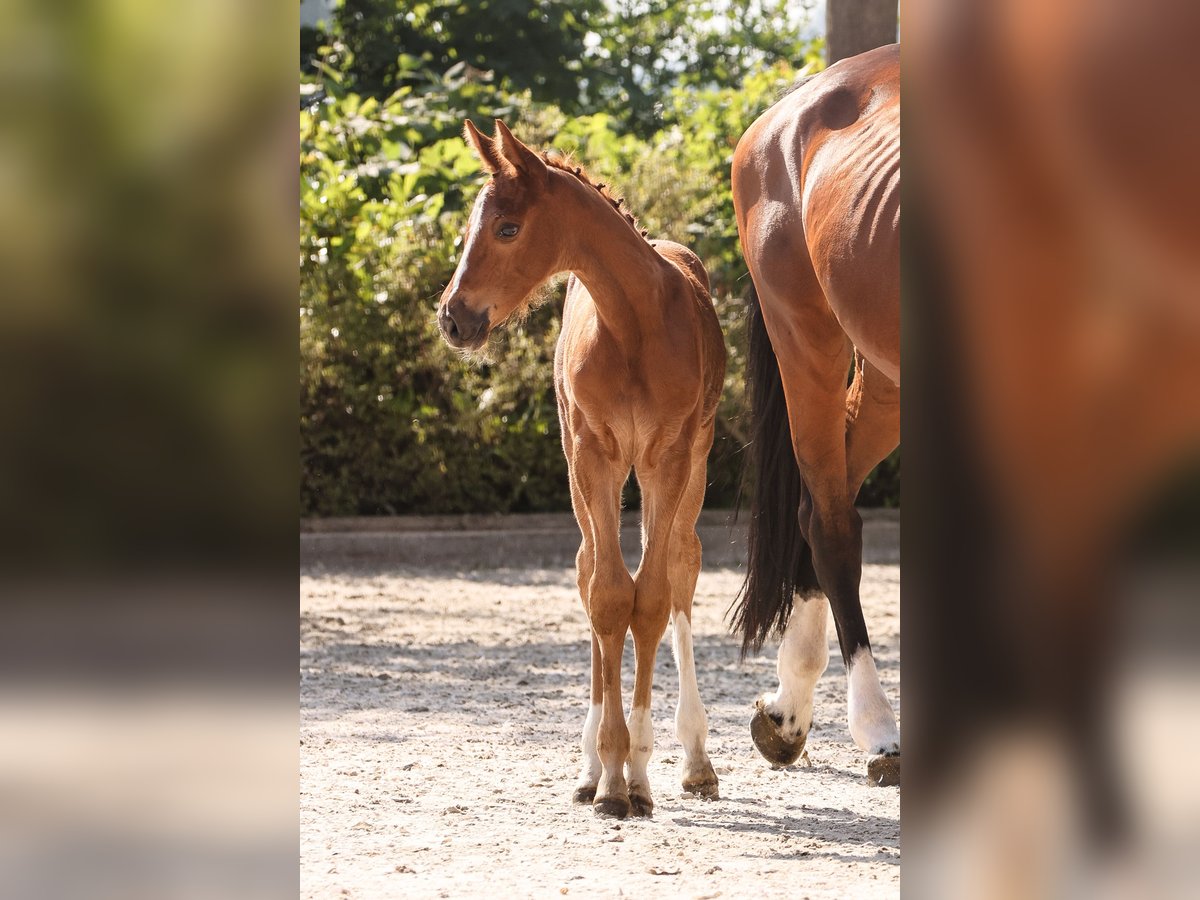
(591, 769)
(585, 566)
(691, 720)
(663, 487)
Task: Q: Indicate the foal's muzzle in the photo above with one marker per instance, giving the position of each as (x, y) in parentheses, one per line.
(462, 327)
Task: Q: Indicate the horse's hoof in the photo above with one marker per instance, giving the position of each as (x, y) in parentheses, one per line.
(703, 785)
(884, 770)
(616, 807)
(774, 747)
(584, 794)
(641, 805)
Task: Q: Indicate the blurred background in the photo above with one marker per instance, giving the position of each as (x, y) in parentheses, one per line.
(650, 97)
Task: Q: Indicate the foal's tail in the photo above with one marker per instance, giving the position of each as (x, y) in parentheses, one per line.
(779, 559)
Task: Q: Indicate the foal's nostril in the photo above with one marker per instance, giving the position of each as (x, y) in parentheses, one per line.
(461, 327)
(447, 324)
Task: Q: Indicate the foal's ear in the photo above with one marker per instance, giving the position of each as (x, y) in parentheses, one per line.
(517, 156)
(483, 148)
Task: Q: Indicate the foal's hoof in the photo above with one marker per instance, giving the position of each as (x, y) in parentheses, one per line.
(774, 747)
(584, 794)
(884, 770)
(640, 804)
(615, 807)
(703, 784)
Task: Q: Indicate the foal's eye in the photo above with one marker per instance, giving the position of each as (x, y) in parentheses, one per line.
(508, 230)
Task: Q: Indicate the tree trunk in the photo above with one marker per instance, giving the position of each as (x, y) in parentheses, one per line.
(855, 26)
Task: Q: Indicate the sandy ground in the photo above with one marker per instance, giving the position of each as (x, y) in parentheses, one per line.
(440, 727)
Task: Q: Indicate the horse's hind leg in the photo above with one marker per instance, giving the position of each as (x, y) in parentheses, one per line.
(872, 422)
(814, 357)
(783, 719)
(873, 431)
(834, 530)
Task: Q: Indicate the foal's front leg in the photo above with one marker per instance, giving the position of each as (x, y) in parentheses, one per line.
(608, 598)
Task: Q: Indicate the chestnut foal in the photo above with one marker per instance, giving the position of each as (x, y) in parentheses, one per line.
(638, 371)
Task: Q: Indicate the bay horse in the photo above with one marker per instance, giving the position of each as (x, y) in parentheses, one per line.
(816, 191)
(638, 371)
(1059, 349)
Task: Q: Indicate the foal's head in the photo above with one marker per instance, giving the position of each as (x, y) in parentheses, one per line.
(511, 245)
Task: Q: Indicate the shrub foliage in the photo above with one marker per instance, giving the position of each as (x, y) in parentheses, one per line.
(394, 421)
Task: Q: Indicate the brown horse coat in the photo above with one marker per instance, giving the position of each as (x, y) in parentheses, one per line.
(816, 190)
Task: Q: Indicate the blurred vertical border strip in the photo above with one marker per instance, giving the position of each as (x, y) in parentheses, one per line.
(148, 459)
(1052, 425)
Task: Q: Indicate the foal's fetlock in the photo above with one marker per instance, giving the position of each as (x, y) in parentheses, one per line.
(777, 747)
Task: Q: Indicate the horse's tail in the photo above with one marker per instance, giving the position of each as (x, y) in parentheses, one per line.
(779, 562)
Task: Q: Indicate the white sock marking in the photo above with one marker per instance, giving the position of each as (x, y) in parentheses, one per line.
(589, 773)
(641, 745)
(691, 721)
(872, 722)
(803, 657)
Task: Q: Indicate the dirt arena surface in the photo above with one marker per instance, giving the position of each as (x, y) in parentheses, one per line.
(441, 713)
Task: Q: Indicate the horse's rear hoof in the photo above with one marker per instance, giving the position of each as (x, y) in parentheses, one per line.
(774, 747)
(614, 807)
(584, 794)
(884, 770)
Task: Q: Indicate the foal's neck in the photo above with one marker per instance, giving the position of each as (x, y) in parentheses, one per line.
(622, 272)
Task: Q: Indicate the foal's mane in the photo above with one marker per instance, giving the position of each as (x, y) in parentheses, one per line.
(556, 160)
